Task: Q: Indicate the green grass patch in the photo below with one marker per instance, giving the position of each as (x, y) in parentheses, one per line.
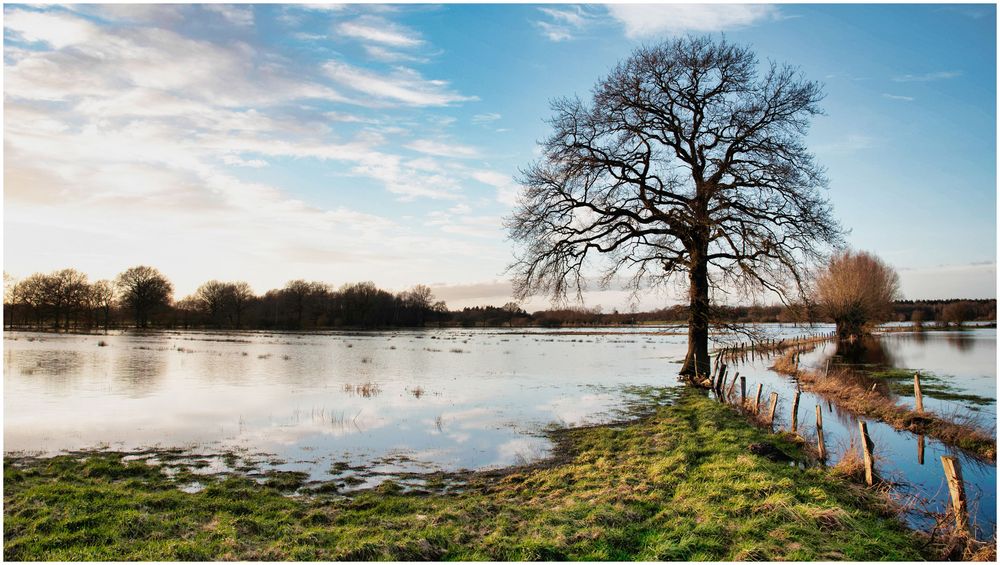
(678, 484)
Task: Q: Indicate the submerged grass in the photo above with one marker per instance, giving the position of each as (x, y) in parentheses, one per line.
(677, 484)
(858, 392)
(900, 382)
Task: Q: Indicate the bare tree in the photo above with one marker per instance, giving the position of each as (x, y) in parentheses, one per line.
(212, 298)
(142, 290)
(958, 312)
(857, 290)
(688, 160)
(103, 296)
(240, 296)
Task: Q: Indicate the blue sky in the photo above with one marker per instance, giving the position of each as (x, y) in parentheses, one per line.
(366, 142)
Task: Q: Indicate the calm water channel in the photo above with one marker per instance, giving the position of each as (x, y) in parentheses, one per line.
(418, 400)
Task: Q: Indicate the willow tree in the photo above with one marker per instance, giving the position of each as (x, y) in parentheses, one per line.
(688, 161)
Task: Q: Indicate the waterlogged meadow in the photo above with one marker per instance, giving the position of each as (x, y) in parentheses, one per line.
(359, 408)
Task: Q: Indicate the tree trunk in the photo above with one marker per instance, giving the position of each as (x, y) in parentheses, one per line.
(698, 321)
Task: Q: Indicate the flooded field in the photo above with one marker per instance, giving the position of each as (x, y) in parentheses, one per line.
(376, 404)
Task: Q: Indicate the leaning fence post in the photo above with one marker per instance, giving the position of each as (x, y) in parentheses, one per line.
(820, 445)
(795, 412)
(774, 405)
(866, 450)
(732, 386)
(743, 390)
(917, 394)
(756, 402)
(953, 472)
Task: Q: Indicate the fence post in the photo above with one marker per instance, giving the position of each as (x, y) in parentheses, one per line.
(866, 449)
(917, 394)
(743, 390)
(774, 405)
(756, 402)
(732, 386)
(953, 472)
(821, 446)
(795, 412)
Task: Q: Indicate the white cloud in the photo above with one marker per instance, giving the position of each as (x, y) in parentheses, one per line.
(403, 85)
(898, 97)
(441, 149)
(237, 161)
(380, 53)
(57, 29)
(378, 30)
(564, 22)
(648, 20)
(927, 77)
(507, 189)
(237, 15)
(487, 118)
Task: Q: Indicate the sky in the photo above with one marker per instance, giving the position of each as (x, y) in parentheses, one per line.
(344, 143)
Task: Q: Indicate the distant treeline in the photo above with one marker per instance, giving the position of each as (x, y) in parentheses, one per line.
(143, 297)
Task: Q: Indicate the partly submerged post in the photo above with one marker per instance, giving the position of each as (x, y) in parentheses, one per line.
(774, 406)
(795, 412)
(743, 390)
(953, 472)
(917, 394)
(866, 449)
(756, 402)
(820, 445)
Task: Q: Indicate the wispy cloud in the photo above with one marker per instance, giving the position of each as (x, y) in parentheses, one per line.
(378, 30)
(848, 144)
(402, 85)
(898, 97)
(486, 118)
(236, 15)
(927, 77)
(441, 149)
(647, 20)
(563, 23)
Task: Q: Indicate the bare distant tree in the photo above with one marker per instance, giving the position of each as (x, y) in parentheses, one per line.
(240, 296)
(212, 298)
(103, 296)
(688, 161)
(143, 289)
(958, 312)
(857, 290)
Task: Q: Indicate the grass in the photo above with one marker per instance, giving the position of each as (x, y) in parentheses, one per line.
(677, 484)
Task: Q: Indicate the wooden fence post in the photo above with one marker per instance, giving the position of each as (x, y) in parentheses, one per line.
(866, 449)
(732, 386)
(820, 445)
(743, 390)
(795, 412)
(917, 394)
(953, 472)
(756, 402)
(774, 405)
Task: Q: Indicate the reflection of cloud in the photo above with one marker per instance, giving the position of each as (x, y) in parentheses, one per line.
(578, 410)
(521, 450)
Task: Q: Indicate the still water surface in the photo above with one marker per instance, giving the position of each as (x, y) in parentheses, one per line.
(414, 400)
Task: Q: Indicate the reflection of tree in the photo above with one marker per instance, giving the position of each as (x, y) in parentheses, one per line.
(865, 351)
(139, 372)
(961, 341)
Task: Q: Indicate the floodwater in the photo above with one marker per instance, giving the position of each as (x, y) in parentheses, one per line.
(413, 401)
(965, 360)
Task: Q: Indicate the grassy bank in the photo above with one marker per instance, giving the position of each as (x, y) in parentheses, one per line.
(680, 484)
(853, 391)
